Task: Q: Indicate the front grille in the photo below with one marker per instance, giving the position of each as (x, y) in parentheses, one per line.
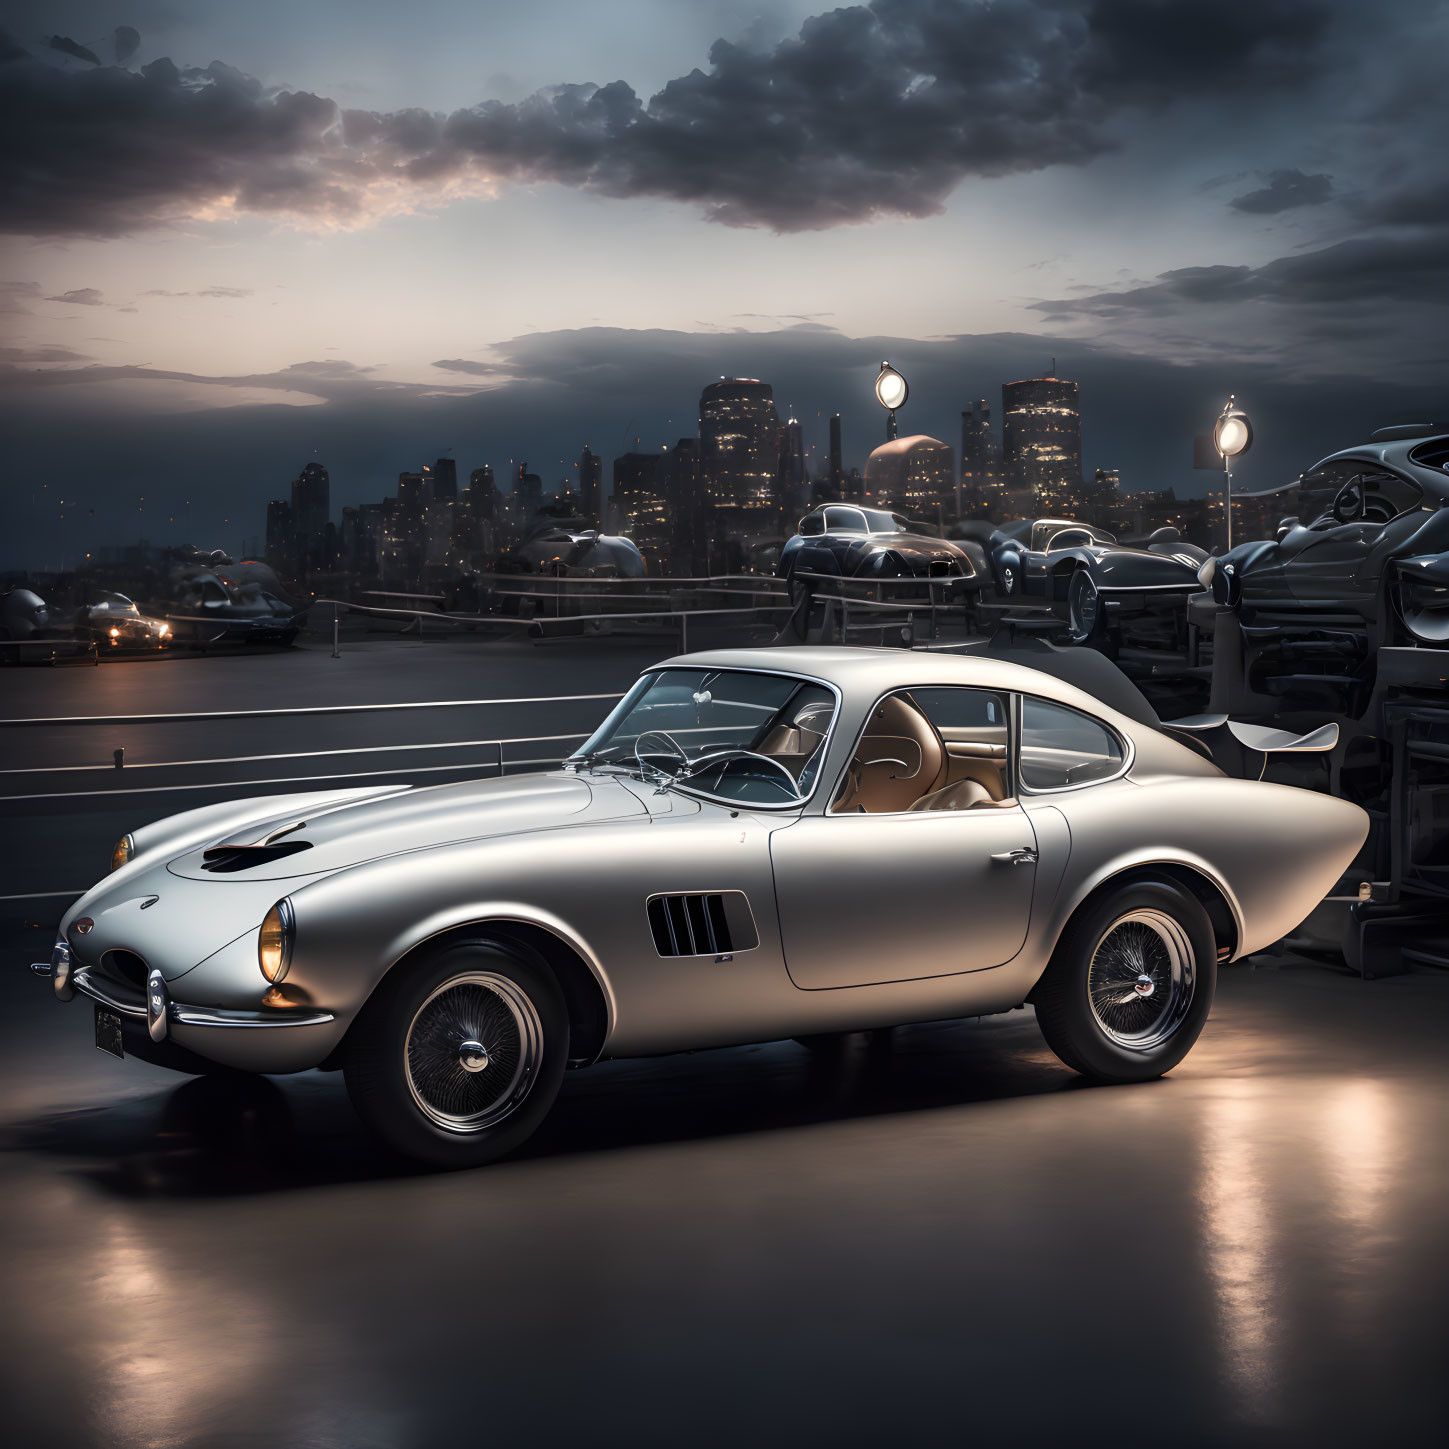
(126, 966)
(701, 925)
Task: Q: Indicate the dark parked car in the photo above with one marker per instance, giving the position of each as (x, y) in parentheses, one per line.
(873, 543)
(1358, 560)
(1096, 578)
(1341, 619)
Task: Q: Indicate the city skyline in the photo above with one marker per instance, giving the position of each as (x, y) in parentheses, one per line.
(237, 243)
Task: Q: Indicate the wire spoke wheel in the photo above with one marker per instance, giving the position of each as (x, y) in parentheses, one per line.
(473, 1051)
(1140, 980)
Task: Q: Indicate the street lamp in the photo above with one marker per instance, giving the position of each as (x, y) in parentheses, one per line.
(891, 392)
(1232, 437)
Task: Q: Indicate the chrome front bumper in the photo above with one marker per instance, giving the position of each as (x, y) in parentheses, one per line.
(159, 1010)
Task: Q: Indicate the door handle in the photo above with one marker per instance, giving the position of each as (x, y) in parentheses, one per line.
(1025, 856)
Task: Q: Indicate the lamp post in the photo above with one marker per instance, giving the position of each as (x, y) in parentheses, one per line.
(1232, 437)
(891, 392)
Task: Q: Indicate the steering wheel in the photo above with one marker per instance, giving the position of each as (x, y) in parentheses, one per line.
(671, 747)
(1348, 503)
(723, 757)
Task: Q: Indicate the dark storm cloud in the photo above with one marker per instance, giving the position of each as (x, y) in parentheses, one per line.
(1285, 191)
(16, 355)
(466, 365)
(64, 45)
(80, 297)
(877, 110)
(1377, 269)
(125, 41)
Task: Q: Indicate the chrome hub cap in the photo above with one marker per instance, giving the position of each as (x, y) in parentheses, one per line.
(1140, 980)
(472, 1056)
(473, 1051)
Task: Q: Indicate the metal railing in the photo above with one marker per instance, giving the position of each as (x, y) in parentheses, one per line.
(508, 752)
(538, 624)
(119, 768)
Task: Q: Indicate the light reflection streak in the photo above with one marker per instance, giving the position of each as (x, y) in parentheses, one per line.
(1238, 1238)
(151, 1385)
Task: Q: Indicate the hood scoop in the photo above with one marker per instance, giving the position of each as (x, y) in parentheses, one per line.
(245, 855)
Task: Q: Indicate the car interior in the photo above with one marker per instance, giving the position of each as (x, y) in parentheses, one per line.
(907, 762)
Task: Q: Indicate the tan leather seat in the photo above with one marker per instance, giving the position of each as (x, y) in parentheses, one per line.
(963, 795)
(897, 731)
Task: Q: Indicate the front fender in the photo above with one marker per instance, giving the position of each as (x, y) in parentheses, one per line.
(482, 912)
(1143, 571)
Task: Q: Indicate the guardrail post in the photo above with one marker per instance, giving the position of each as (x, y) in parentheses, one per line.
(336, 632)
(683, 632)
(119, 756)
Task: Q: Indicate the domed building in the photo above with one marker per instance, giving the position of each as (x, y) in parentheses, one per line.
(915, 475)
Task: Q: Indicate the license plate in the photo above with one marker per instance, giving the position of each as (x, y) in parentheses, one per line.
(108, 1032)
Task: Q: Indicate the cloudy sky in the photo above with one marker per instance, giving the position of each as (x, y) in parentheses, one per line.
(236, 237)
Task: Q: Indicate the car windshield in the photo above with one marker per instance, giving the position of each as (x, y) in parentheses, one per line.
(687, 717)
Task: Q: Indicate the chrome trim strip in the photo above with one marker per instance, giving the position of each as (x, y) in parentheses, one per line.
(198, 1015)
(82, 981)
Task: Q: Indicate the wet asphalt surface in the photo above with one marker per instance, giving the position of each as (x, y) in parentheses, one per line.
(944, 1235)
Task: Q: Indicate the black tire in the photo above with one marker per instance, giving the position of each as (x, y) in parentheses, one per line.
(436, 1110)
(1118, 1039)
(1086, 611)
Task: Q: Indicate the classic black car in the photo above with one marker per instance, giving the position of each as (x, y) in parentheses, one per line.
(1096, 578)
(872, 543)
(1341, 620)
(1359, 560)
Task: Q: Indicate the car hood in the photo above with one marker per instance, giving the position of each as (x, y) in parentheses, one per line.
(334, 837)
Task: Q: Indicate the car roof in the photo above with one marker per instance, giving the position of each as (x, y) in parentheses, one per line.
(1396, 454)
(874, 672)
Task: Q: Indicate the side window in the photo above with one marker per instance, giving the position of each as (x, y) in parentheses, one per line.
(1062, 747)
(845, 518)
(929, 749)
(812, 523)
(1386, 496)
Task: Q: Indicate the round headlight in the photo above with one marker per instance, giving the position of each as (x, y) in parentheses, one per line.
(124, 849)
(274, 942)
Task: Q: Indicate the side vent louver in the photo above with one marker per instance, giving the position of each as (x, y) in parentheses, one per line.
(702, 925)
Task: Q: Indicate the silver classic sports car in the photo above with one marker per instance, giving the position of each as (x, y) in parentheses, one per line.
(756, 844)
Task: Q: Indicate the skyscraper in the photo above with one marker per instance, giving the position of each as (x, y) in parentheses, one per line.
(281, 536)
(311, 513)
(591, 485)
(980, 472)
(1042, 443)
(642, 503)
(837, 469)
(739, 442)
(445, 478)
(684, 489)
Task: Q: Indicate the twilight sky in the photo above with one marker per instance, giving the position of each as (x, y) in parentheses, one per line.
(236, 237)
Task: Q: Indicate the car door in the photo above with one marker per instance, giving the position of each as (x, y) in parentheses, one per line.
(867, 896)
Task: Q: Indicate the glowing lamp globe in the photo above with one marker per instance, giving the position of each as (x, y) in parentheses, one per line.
(890, 388)
(1233, 434)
